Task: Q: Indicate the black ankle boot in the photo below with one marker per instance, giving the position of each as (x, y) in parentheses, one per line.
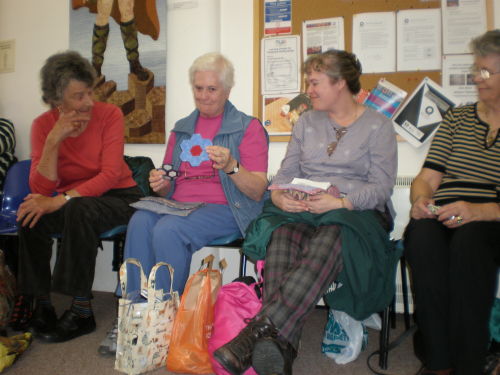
(236, 355)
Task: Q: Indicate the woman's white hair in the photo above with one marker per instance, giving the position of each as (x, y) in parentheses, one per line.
(214, 62)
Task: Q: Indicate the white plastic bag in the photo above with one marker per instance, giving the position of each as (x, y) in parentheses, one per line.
(344, 337)
(373, 322)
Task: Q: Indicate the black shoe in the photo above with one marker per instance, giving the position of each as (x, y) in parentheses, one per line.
(424, 371)
(273, 356)
(44, 320)
(70, 326)
(236, 355)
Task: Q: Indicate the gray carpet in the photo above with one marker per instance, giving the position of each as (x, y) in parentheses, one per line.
(80, 356)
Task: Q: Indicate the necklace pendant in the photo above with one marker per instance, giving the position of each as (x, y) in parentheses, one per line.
(331, 147)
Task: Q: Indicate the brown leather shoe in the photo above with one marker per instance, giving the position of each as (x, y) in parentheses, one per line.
(236, 355)
(273, 356)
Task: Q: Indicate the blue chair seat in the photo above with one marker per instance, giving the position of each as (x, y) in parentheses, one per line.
(120, 229)
(116, 235)
(8, 224)
(16, 187)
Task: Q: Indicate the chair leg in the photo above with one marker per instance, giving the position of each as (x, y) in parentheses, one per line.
(404, 286)
(243, 264)
(118, 249)
(392, 313)
(384, 339)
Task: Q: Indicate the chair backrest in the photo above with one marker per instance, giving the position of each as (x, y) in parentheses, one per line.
(16, 187)
(140, 167)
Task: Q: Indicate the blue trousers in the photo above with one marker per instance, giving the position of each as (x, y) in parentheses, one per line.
(153, 238)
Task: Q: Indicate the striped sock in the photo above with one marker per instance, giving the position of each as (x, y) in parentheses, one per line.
(81, 307)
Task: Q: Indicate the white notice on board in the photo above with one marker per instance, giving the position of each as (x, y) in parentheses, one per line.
(322, 35)
(374, 41)
(280, 65)
(458, 79)
(419, 39)
(462, 21)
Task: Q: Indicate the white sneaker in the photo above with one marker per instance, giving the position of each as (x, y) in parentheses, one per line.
(108, 345)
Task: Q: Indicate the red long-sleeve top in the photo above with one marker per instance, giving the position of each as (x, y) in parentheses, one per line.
(91, 163)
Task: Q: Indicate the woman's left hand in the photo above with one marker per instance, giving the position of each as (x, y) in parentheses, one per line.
(458, 213)
(34, 207)
(221, 157)
(319, 203)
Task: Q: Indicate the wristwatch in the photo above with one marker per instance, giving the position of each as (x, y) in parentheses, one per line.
(235, 169)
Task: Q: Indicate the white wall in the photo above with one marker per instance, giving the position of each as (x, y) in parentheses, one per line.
(224, 25)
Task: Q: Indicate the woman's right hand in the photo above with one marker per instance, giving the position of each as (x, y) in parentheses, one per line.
(158, 184)
(68, 124)
(286, 202)
(420, 209)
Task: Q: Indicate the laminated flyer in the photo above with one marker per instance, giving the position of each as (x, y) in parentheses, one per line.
(385, 98)
(420, 116)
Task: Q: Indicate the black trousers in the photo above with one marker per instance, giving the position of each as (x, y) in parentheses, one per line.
(454, 274)
(80, 221)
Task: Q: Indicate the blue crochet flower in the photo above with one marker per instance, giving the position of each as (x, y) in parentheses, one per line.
(193, 150)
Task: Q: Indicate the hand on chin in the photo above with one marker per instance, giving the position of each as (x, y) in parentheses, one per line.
(78, 129)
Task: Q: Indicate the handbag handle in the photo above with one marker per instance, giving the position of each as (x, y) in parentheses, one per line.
(152, 280)
(123, 275)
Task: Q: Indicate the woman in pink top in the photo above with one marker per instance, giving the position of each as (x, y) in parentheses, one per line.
(231, 180)
(230, 177)
(80, 187)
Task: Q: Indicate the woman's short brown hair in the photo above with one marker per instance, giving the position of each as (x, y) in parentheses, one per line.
(336, 64)
(59, 70)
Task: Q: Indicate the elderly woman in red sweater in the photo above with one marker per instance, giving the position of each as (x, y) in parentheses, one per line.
(81, 187)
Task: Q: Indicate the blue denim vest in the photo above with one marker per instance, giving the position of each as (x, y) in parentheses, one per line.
(230, 134)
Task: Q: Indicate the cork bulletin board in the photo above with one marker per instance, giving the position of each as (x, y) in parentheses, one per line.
(303, 10)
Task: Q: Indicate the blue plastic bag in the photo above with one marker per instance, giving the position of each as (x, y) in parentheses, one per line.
(344, 337)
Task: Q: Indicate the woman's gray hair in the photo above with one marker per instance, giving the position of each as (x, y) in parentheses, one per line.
(336, 64)
(486, 44)
(59, 70)
(214, 62)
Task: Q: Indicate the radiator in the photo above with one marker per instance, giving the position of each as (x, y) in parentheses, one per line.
(401, 202)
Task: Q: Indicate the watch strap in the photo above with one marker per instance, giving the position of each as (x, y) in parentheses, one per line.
(235, 169)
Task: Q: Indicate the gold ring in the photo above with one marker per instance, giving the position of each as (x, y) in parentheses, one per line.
(459, 219)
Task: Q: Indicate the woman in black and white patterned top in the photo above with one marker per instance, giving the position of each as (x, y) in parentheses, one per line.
(7, 148)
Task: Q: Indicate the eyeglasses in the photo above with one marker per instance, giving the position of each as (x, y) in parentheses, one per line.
(198, 177)
(339, 133)
(483, 73)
